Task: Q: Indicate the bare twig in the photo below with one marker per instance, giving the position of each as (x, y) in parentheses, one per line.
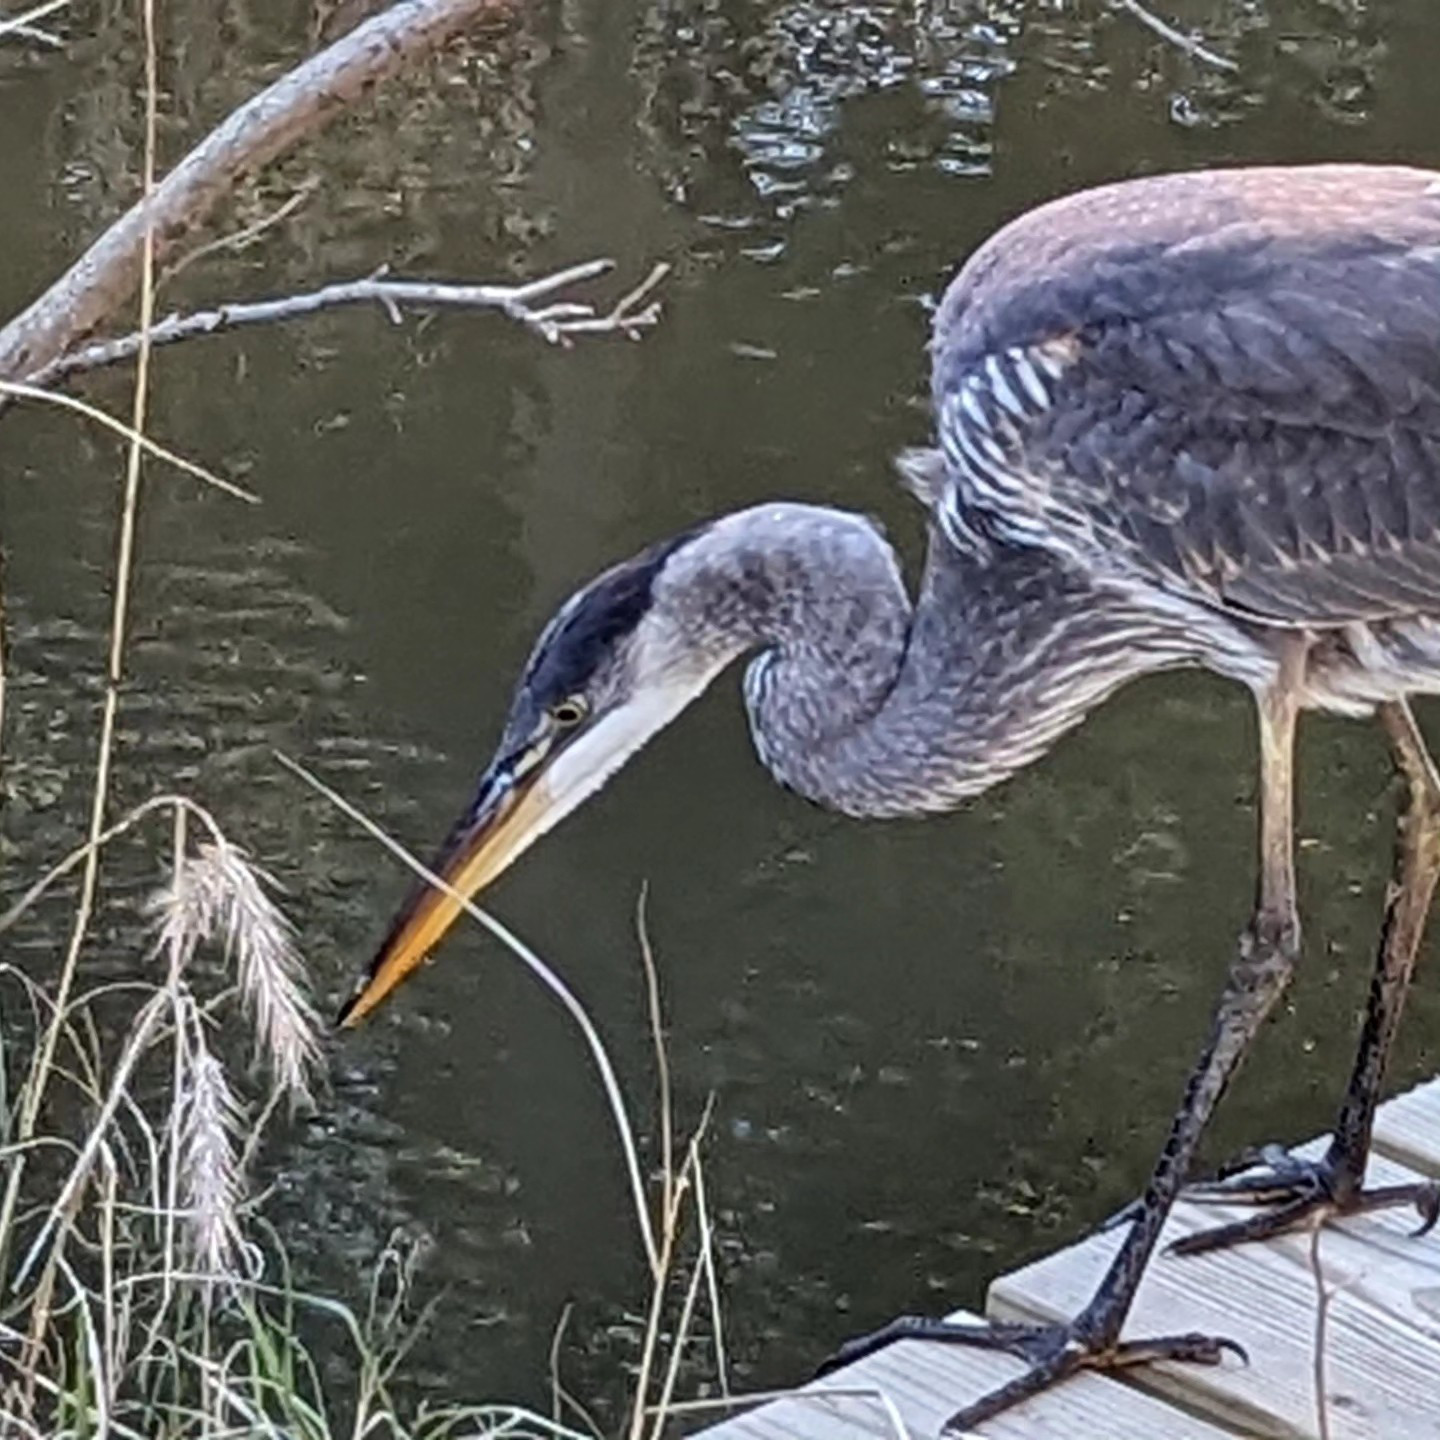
(301, 102)
(1167, 32)
(24, 26)
(631, 314)
(556, 322)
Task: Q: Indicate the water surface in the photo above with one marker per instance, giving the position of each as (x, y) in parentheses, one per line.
(936, 1049)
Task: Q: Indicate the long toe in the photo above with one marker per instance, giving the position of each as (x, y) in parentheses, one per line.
(1058, 1352)
(1277, 1178)
(1289, 1215)
(1022, 1340)
(1304, 1193)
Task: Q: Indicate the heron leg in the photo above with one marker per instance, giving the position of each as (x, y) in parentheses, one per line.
(1301, 1190)
(1268, 952)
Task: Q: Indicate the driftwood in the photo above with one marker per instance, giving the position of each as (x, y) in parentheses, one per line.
(299, 103)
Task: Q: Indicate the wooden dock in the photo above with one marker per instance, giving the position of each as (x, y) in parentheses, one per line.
(1381, 1365)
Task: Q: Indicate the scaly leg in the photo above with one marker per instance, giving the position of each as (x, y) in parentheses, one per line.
(1298, 1189)
(1268, 952)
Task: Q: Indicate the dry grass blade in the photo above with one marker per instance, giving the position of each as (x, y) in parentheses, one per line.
(142, 1031)
(609, 1081)
(687, 1308)
(82, 853)
(712, 1280)
(662, 1059)
(128, 433)
(678, 1187)
(1323, 1296)
(560, 1397)
(44, 1057)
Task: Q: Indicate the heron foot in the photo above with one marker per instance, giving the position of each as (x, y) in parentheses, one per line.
(1053, 1354)
(1298, 1192)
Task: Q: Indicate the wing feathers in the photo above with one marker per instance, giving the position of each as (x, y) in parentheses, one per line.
(1242, 395)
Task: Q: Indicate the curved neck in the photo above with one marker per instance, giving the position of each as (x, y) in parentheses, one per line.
(867, 705)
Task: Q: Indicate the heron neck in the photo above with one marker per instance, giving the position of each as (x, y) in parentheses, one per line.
(867, 704)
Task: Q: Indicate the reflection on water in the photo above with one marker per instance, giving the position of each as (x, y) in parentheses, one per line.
(936, 1048)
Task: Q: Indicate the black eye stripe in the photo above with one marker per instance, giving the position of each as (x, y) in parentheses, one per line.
(586, 629)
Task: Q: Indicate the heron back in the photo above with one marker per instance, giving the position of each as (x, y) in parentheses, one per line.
(1227, 383)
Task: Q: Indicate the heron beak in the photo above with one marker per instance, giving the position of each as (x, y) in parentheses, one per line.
(507, 815)
(520, 799)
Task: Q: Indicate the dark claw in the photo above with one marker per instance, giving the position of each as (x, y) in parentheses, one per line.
(1053, 1352)
(1193, 1349)
(1237, 1350)
(1427, 1202)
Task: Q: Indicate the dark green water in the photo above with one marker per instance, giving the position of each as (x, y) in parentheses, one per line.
(936, 1048)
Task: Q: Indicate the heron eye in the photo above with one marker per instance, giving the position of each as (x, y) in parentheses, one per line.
(569, 713)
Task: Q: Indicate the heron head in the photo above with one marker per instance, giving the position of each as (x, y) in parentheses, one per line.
(614, 666)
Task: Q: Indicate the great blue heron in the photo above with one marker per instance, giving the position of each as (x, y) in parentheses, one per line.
(1187, 420)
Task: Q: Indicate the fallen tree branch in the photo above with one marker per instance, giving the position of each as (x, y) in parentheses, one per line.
(1167, 32)
(556, 322)
(299, 103)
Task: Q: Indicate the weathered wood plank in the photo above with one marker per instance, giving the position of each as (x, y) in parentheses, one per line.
(1382, 1354)
(1408, 1128)
(928, 1383)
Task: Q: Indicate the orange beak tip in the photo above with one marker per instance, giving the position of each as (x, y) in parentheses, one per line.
(480, 851)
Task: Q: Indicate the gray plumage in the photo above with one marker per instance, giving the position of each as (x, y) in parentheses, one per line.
(1191, 420)
(1219, 389)
(874, 707)
(1178, 419)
